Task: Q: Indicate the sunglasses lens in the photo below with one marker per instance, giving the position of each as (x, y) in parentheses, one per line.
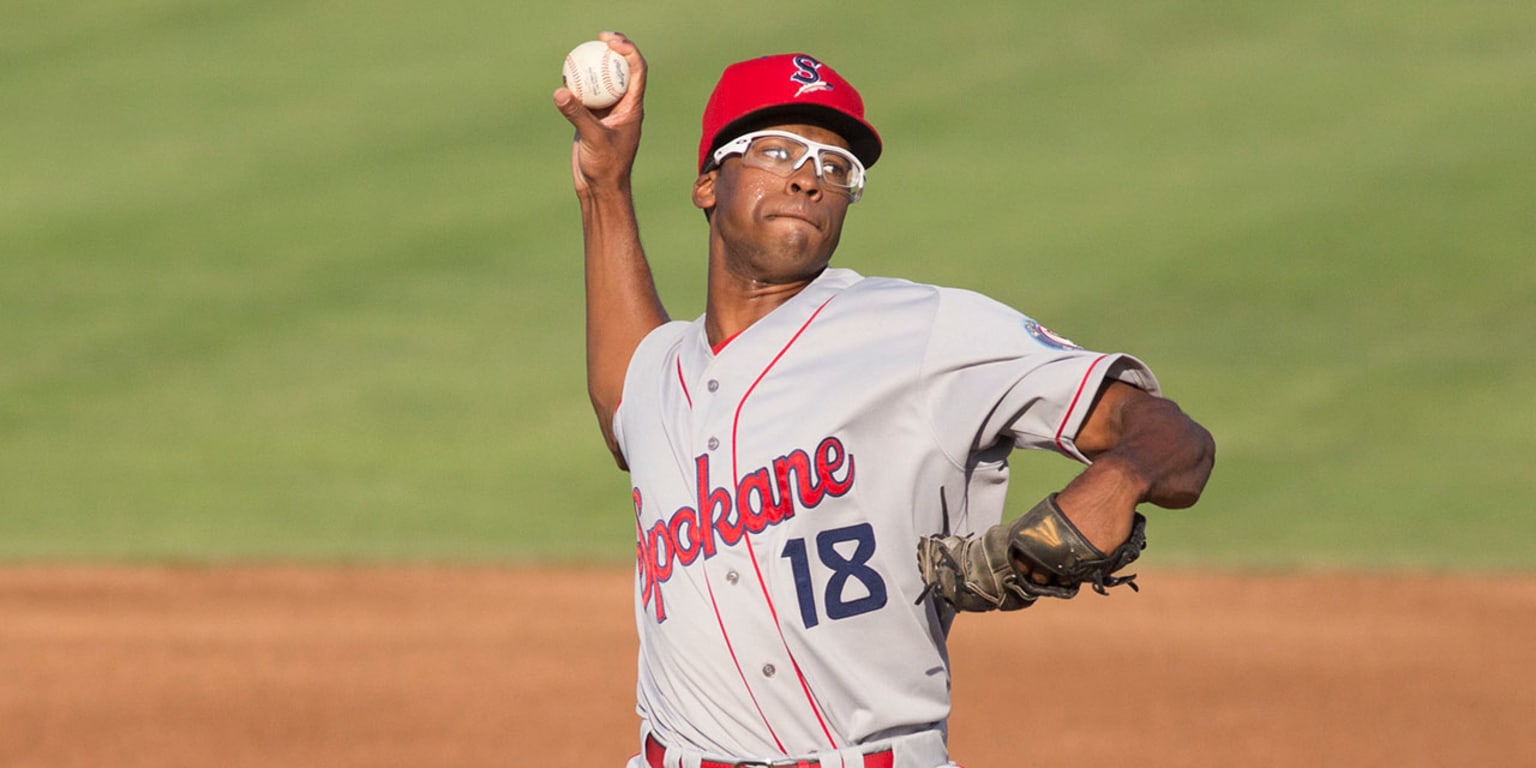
(783, 155)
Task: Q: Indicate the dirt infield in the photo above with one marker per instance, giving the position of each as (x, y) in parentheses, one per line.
(519, 667)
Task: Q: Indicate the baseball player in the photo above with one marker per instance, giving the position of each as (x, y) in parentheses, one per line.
(819, 461)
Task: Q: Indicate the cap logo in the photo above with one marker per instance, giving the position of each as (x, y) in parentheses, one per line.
(808, 75)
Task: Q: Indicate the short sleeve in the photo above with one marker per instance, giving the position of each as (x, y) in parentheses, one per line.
(995, 376)
(643, 378)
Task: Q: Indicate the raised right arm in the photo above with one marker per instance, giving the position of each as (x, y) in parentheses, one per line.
(622, 303)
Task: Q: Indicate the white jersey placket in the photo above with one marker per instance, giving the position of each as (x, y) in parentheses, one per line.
(735, 578)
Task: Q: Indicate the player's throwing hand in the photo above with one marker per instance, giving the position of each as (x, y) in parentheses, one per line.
(606, 139)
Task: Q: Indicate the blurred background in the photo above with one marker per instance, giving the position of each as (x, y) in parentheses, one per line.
(301, 280)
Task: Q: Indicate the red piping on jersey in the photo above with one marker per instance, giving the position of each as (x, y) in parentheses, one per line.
(683, 382)
(718, 347)
(737, 662)
(805, 686)
(1082, 385)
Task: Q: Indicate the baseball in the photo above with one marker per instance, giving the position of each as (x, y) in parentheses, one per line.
(596, 74)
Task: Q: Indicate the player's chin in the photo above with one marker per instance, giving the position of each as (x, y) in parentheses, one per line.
(805, 237)
(797, 243)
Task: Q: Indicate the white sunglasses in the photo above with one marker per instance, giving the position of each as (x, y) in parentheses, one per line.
(782, 153)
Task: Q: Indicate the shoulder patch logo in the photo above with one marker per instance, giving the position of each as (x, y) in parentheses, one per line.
(808, 75)
(1047, 336)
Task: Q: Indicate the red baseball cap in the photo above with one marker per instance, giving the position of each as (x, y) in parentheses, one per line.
(788, 87)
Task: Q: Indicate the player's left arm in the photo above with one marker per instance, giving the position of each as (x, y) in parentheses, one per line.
(1144, 449)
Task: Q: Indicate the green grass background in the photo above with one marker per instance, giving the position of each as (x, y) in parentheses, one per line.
(301, 280)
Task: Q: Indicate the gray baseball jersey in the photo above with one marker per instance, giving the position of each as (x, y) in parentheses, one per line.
(781, 483)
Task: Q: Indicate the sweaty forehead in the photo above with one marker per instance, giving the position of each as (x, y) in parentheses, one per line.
(815, 133)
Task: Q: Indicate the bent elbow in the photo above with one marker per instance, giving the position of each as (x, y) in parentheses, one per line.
(1181, 489)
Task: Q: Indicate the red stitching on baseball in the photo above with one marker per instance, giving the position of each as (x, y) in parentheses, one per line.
(573, 83)
(608, 73)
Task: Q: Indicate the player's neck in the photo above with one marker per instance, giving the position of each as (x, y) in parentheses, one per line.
(735, 302)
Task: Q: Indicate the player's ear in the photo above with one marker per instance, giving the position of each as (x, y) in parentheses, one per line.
(704, 190)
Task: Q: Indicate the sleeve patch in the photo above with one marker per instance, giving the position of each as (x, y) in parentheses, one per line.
(1048, 337)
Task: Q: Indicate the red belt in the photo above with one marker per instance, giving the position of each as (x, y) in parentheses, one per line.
(654, 752)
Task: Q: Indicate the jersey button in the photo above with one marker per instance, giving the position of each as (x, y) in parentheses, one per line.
(768, 670)
(714, 442)
(714, 385)
(732, 577)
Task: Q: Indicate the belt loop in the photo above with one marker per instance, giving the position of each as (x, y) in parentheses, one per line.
(678, 757)
(847, 757)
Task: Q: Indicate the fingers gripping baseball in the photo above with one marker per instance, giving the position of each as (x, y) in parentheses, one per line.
(606, 141)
